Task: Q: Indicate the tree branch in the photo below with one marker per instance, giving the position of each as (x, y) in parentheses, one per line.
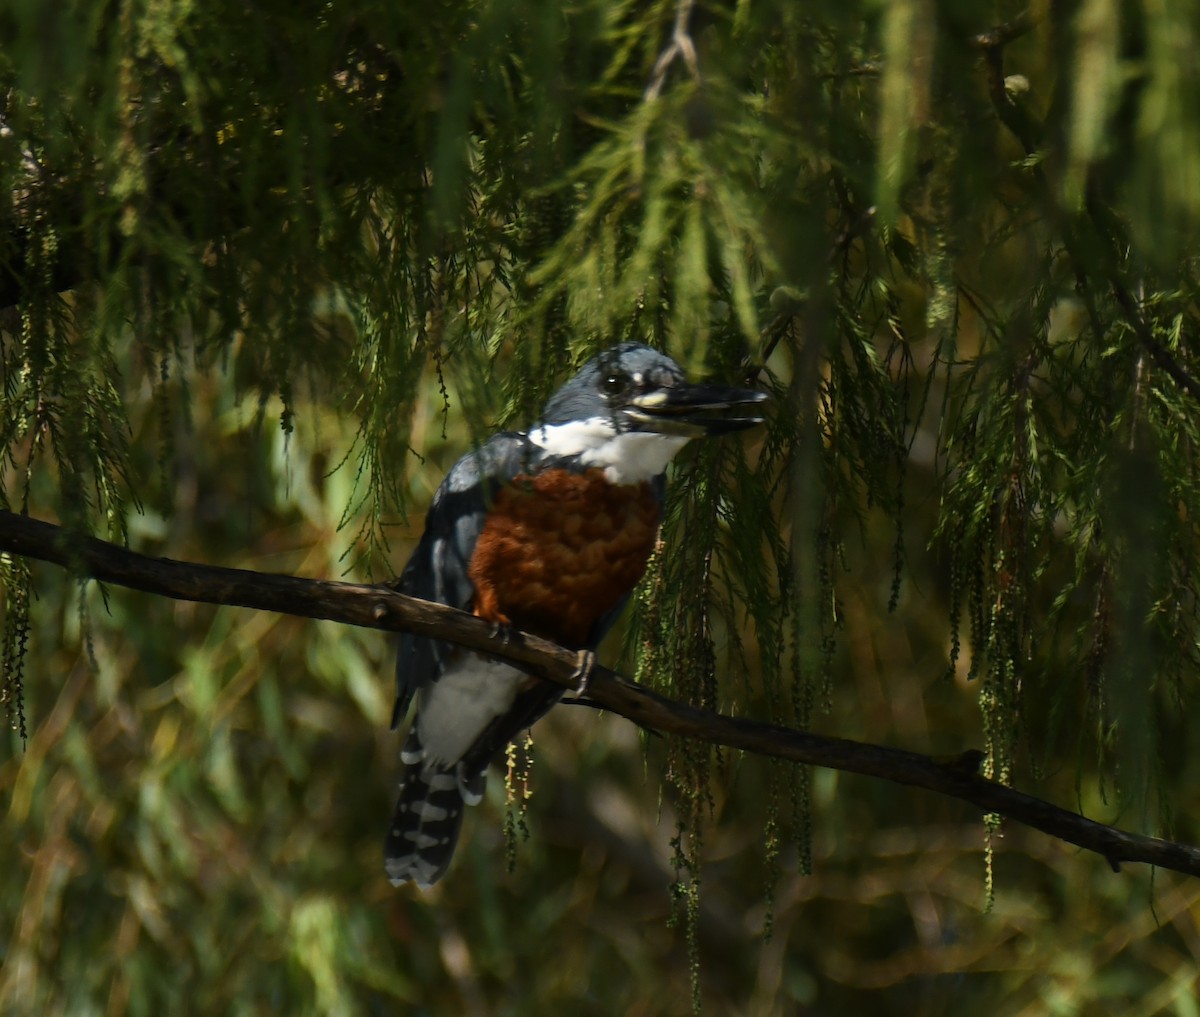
(680, 47)
(1000, 36)
(381, 608)
(1162, 356)
(1029, 132)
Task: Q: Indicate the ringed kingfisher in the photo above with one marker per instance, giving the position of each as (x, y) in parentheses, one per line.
(548, 531)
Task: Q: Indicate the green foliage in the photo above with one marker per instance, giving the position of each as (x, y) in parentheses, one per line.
(270, 268)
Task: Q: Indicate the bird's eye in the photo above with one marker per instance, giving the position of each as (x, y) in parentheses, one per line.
(614, 384)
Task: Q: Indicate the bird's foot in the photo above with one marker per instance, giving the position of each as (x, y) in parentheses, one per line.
(501, 630)
(585, 661)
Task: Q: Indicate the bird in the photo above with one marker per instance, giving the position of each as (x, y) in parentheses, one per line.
(546, 531)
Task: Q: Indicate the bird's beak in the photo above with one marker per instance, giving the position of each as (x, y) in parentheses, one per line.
(695, 410)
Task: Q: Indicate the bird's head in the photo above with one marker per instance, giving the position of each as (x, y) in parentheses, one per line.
(631, 408)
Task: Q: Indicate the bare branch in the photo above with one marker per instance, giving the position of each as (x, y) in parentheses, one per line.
(1000, 36)
(381, 608)
(680, 47)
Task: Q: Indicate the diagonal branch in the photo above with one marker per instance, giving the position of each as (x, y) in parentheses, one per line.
(1000, 36)
(1162, 356)
(381, 608)
(1029, 132)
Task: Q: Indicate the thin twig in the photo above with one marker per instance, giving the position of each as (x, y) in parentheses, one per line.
(380, 608)
(680, 47)
(1162, 356)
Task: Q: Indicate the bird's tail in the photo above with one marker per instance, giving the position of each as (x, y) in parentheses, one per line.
(425, 825)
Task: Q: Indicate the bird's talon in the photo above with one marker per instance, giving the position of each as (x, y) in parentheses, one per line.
(586, 660)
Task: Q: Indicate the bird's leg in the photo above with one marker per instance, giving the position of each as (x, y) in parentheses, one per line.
(585, 661)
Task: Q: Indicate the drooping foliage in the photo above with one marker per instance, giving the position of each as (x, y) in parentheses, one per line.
(268, 268)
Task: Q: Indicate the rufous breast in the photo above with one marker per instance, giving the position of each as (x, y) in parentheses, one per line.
(559, 550)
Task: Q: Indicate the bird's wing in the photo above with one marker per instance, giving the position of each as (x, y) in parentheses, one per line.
(438, 568)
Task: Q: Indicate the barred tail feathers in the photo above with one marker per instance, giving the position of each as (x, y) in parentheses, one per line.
(425, 825)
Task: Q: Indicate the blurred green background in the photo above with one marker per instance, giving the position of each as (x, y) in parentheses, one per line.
(269, 269)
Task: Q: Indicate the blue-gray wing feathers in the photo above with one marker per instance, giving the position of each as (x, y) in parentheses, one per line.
(437, 570)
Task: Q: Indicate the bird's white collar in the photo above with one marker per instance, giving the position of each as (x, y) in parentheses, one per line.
(626, 457)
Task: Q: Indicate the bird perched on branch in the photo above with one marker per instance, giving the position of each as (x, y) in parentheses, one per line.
(547, 531)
